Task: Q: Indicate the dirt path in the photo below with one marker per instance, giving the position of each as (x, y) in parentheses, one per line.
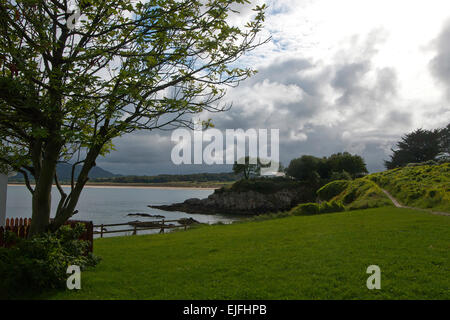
(399, 205)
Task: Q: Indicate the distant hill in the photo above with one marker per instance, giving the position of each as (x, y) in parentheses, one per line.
(64, 172)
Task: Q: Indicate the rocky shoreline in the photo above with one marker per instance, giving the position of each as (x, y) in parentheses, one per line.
(240, 202)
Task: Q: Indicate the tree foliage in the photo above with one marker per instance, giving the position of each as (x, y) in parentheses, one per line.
(249, 167)
(444, 141)
(66, 92)
(420, 146)
(335, 167)
(304, 168)
(346, 162)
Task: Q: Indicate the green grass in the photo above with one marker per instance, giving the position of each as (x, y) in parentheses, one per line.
(419, 186)
(363, 193)
(306, 257)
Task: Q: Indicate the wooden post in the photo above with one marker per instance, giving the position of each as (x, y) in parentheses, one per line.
(101, 231)
(135, 230)
(2, 233)
(3, 188)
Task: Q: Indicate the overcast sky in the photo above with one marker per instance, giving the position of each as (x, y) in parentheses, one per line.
(347, 75)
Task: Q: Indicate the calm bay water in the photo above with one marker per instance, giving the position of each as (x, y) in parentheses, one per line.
(108, 205)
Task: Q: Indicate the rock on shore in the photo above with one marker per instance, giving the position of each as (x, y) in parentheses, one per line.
(239, 203)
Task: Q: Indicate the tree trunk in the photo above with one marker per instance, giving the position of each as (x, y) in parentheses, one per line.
(68, 210)
(40, 210)
(41, 203)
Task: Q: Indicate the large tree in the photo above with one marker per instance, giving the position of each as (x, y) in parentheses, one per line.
(304, 168)
(418, 146)
(310, 168)
(69, 86)
(444, 142)
(250, 167)
(346, 162)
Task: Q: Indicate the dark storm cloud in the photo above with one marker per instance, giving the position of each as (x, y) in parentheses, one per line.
(136, 152)
(440, 64)
(320, 108)
(282, 71)
(347, 80)
(291, 76)
(350, 80)
(398, 118)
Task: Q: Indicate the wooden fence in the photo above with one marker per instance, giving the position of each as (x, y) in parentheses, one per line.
(136, 226)
(21, 228)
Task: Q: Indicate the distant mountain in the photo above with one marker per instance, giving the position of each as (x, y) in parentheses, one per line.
(64, 172)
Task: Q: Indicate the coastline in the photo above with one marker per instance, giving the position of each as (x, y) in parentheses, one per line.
(131, 186)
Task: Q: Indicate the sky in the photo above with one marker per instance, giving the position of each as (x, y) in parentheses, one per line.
(348, 75)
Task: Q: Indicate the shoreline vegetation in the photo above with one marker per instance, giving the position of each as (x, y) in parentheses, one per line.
(166, 186)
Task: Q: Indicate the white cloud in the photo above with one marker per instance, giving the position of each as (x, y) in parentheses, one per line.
(265, 97)
(342, 75)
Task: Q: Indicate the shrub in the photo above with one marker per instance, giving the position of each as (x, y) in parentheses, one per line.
(430, 163)
(443, 159)
(263, 185)
(332, 189)
(306, 209)
(414, 164)
(331, 206)
(41, 262)
(367, 203)
(315, 208)
(343, 175)
(351, 196)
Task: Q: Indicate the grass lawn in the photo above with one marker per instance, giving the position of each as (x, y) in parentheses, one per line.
(306, 257)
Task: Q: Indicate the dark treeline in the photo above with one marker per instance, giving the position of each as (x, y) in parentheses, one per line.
(162, 178)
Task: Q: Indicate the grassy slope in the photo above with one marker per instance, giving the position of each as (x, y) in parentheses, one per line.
(363, 194)
(308, 257)
(421, 186)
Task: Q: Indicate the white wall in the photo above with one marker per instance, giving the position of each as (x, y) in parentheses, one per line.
(3, 188)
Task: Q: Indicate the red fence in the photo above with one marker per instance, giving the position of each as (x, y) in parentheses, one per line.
(21, 228)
